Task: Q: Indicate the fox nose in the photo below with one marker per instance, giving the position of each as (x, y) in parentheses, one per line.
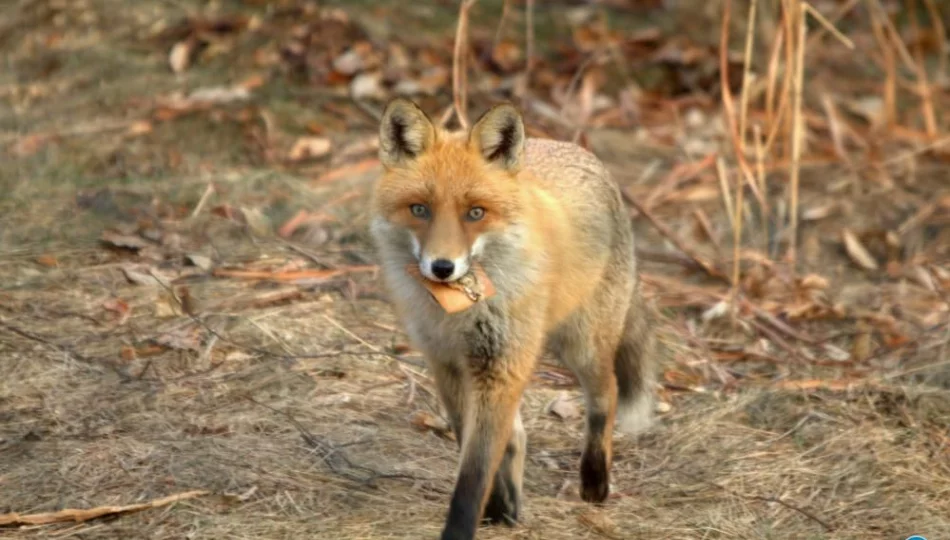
(442, 268)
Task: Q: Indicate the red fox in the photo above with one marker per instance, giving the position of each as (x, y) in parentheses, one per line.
(546, 223)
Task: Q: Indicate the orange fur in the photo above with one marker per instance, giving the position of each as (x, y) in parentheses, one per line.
(556, 244)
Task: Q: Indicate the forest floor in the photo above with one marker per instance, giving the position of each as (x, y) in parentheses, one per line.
(189, 304)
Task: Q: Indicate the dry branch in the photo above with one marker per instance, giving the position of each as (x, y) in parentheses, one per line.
(80, 515)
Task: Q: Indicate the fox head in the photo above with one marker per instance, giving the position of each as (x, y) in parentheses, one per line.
(447, 199)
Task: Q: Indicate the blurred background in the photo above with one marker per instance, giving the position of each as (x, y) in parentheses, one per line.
(189, 306)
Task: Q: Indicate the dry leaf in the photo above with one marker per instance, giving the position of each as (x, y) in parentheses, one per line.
(861, 348)
(367, 86)
(563, 407)
(139, 128)
(856, 250)
(201, 261)
(426, 421)
(185, 339)
(600, 523)
(145, 276)
(309, 148)
(127, 241)
(120, 307)
(47, 260)
(179, 58)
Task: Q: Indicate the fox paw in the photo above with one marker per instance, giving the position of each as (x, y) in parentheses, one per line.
(503, 505)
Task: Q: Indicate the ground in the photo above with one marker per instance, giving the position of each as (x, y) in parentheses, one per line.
(189, 305)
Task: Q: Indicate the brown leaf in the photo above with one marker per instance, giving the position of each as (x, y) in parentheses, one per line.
(179, 58)
(145, 276)
(127, 241)
(201, 261)
(367, 86)
(120, 307)
(309, 148)
(47, 260)
(856, 250)
(563, 407)
(186, 339)
(600, 523)
(426, 421)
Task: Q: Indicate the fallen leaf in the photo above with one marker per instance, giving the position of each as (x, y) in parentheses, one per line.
(367, 86)
(120, 307)
(47, 260)
(201, 261)
(242, 497)
(179, 58)
(426, 421)
(562, 407)
(309, 148)
(139, 128)
(148, 276)
(600, 523)
(856, 250)
(185, 339)
(128, 241)
(861, 348)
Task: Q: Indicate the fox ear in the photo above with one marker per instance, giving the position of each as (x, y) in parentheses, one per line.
(499, 136)
(405, 133)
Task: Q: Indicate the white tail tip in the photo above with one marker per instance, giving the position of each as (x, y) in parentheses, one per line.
(636, 416)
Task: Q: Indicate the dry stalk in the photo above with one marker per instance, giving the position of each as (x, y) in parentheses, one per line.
(829, 24)
(797, 131)
(923, 84)
(729, 110)
(459, 71)
(890, 69)
(772, 75)
(747, 68)
(529, 44)
(941, 32)
(726, 194)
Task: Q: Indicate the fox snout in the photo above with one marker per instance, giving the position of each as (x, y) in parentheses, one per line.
(443, 268)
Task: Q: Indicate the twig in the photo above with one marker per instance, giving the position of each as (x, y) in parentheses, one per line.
(941, 31)
(81, 515)
(459, 70)
(923, 84)
(776, 500)
(706, 265)
(330, 451)
(529, 45)
(505, 9)
(204, 199)
(746, 73)
(64, 350)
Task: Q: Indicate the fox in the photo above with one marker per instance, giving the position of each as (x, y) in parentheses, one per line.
(546, 222)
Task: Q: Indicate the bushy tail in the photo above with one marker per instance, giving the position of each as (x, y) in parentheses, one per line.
(635, 367)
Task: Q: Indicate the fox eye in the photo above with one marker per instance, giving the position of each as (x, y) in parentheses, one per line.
(476, 213)
(419, 210)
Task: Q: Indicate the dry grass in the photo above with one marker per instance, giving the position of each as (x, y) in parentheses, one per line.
(297, 405)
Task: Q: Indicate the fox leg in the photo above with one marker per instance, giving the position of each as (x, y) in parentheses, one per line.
(588, 349)
(504, 503)
(496, 383)
(451, 389)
